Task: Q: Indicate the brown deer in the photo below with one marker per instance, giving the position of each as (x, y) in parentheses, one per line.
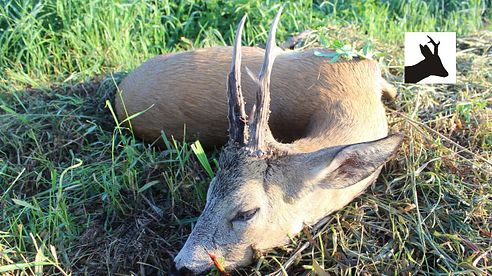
(266, 189)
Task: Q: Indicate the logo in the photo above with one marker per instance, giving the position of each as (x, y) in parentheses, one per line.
(430, 57)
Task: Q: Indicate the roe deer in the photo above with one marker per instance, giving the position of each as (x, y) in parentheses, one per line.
(431, 65)
(265, 189)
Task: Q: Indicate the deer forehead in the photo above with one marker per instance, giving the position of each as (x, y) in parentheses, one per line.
(241, 175)
(237, 171)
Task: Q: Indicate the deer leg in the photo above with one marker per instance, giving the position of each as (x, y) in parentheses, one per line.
(389, 91)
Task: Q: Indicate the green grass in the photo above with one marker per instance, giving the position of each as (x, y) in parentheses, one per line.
(80, 194)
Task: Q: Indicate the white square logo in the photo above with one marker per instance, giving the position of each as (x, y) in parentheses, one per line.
(430, 57)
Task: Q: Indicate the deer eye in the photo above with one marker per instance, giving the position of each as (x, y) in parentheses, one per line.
(245, 216)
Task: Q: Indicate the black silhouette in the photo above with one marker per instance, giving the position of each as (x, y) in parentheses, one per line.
(431, 65)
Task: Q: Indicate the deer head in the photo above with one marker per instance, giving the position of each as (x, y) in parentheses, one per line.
(264, 190)
(430, 66)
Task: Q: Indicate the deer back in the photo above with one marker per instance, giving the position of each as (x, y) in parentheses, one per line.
(311, 97)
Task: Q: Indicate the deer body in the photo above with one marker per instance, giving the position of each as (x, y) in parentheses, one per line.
(324, 143)
(188, 89)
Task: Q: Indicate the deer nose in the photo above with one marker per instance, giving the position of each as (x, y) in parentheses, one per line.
(184, 271)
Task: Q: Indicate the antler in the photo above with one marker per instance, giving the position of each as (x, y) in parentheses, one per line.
(236, 113)
(436, 45)
(260, 135)
(256, 132)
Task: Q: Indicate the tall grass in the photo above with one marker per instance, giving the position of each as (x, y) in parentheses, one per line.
(55, 40)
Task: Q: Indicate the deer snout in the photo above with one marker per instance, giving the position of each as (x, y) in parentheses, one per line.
(442, 72)
(191, 260)
(195, 268)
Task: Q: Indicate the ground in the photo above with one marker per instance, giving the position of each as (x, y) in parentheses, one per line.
(82, 195)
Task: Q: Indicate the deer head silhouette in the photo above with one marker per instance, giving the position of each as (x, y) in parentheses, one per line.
(431, 65)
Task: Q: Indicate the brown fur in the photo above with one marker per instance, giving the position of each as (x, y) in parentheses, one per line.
(311, 98)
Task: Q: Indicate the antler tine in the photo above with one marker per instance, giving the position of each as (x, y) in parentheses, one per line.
(436, 45)
(259, 131)
(236, 113)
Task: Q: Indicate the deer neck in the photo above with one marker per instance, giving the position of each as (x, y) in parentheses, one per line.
(420, 70)
(343, 126)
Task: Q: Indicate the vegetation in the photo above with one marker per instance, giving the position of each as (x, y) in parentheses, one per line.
(80, 194)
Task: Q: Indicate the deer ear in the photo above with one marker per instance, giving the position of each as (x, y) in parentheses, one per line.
(426, 52)
(350, 164)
